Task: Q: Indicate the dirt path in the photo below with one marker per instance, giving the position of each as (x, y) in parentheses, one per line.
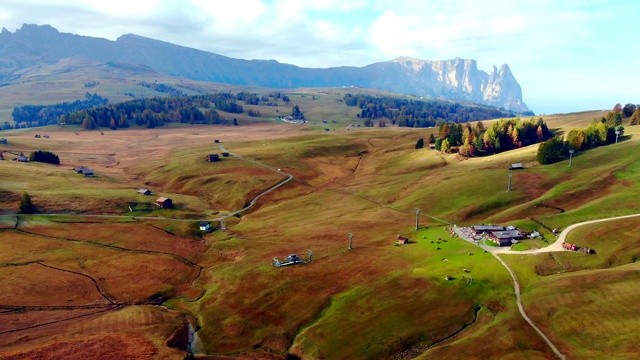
(253, 201)
(516, 287)
(556, 246)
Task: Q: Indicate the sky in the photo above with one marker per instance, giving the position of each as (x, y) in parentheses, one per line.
(566, 55)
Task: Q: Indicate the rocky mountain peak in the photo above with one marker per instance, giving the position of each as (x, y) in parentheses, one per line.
(456, 79)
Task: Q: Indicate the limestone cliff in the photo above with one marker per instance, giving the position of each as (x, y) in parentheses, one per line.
(457, 79)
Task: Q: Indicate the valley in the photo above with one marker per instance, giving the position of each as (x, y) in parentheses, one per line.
(141, 283)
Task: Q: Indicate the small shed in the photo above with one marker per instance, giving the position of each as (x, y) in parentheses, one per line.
(216, 141)
(164, 202)
(87, 172)
(21, 158)
(144, 192)
(516, 166)
(205, 226)
(403, 240)
(213, 157)
(225, 154)
(80, 169)
(3, 141)
(1, 156)
(38, 136)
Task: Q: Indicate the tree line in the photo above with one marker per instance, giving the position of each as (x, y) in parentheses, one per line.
(418, 113)
(163, 88)
(502, 135)
(45, 157)
(156, 111)
(41, 115)
(96, 111)
(601, 131)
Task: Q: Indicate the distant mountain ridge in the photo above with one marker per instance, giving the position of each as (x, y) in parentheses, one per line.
(455, 79)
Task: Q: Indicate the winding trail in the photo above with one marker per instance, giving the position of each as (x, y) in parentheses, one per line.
(255, 199)
(219, 218)
(555, 247)
(516, 288)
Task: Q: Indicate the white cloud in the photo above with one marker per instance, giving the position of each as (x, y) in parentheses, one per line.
(541, 40)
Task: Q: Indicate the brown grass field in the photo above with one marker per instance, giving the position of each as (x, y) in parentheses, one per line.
(89, 287)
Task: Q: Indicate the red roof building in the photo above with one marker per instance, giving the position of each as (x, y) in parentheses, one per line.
(164, 202)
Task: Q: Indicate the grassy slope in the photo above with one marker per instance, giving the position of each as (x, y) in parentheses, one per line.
(64, 263)
(250, 303)
(65, 81)
(584, 302)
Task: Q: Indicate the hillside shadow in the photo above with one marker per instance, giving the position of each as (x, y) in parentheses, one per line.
(557, 132)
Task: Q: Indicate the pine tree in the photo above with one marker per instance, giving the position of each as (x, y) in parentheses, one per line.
(445, 147)
(26, 205)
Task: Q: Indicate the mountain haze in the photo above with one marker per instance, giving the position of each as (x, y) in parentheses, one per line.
(456, 79)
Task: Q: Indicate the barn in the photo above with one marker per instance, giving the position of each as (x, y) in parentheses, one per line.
(164, 202)
(144, 192)
(213, 157)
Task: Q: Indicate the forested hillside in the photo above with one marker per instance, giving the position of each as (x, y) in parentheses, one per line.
(418, 113)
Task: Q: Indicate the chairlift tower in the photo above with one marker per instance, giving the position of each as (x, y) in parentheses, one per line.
(571, 156)
(417, 223)
(223, 227)
(509, 184)
(350, 241)
(617, 134)
(310, 253)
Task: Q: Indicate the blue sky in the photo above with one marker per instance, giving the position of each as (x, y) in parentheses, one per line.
(566, 55)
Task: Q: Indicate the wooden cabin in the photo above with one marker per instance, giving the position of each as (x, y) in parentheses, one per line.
(403, 240)
(164, 202)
